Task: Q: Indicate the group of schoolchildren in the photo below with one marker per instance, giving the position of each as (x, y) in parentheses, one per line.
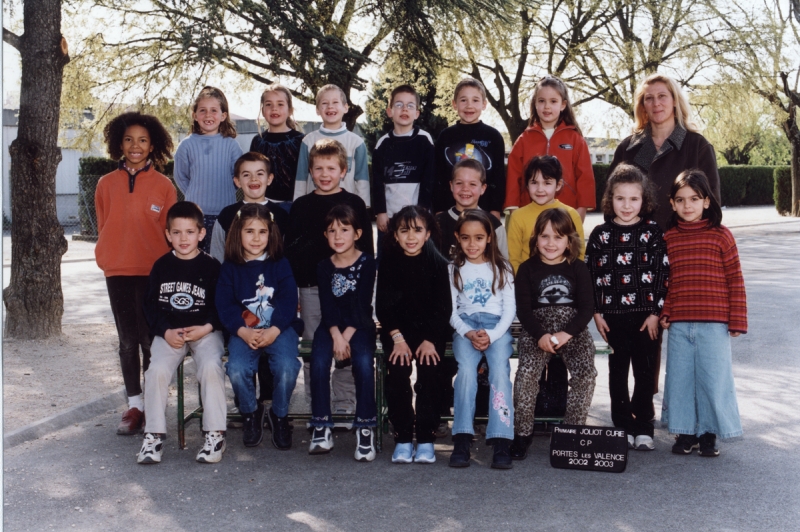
(235, 273)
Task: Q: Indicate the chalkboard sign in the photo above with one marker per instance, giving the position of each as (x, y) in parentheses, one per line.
(589, 448)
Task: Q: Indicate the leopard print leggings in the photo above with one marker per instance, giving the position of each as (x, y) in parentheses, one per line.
(578, 355)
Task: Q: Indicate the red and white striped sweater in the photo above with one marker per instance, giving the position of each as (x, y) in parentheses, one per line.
(705, 282)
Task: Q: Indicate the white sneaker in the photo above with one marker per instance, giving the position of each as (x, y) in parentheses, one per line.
(151, 449)
(212, 450)
(644, 443)
(403, 453)
(321, 441)
(365, 445)
(631, 442)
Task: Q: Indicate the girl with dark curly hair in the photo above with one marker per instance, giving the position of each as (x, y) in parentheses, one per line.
(132, 204)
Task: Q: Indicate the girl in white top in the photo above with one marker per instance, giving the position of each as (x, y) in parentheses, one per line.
(482, 290)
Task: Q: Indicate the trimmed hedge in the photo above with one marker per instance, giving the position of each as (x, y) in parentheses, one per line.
(746, 185)
(741, 185)
(783, 190)
(90, 170)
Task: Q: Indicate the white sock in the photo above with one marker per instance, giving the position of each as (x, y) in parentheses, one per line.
(135, 401)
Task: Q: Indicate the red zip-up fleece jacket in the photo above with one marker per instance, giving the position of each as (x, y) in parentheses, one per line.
(131, 218)
(705, 278)
(572, 152)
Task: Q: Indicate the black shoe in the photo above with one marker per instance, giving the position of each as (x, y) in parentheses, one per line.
(686, 443)
(460, 454)
(708, 446)
(253, 428)
(281, 431)
(519, 447)
(501, 459)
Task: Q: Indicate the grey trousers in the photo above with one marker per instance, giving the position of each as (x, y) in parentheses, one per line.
(164, 360)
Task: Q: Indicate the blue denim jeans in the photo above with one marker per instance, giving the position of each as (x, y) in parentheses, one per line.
(501, 407)
(283, 362)
(699, 394)
(362, 355)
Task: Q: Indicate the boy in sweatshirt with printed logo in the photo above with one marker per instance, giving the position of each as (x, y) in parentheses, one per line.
(403, 162)
(182, 315)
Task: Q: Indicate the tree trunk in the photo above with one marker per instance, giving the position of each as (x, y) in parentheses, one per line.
(795, 141)
(515, 127)
(34, 300)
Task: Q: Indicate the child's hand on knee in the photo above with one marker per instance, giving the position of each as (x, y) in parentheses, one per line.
(480, 339)
(426, 353)
(196, 332)
(341, 347)
(268, 336)
(545, 344)
(401, 354)
(250, 336)
(174, 337)
(562, 338)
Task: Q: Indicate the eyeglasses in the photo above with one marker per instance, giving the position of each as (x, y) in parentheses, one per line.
(400, 106)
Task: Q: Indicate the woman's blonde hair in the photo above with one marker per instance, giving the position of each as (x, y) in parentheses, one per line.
(277, 87)
(683, 112)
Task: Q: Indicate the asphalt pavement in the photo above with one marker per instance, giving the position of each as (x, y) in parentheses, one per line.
(84, 477)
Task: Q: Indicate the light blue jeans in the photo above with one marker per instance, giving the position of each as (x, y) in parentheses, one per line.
(501, 406)
(699, 394)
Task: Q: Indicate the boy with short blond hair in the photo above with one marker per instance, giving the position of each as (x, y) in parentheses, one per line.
(331, 107)
(182, 314)
(403, 162)
(470, 138)
(306, 245)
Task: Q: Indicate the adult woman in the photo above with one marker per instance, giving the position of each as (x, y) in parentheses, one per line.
(665, 141)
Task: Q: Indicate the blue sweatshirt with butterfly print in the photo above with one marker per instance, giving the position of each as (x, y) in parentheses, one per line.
(345, 294)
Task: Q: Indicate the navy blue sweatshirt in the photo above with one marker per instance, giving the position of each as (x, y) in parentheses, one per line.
(345, 294)
(258, 294)
(180, 293)
(470, 141)
(402, 172)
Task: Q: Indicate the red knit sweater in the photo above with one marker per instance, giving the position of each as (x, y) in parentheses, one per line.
(705, 280)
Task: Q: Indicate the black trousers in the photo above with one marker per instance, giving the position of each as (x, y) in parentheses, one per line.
(127, 294)
(399, 397)
(632, 348)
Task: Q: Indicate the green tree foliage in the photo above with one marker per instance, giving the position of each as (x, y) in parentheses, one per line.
(305, 44)
(742, 126)
(766, 57)
(601, 48)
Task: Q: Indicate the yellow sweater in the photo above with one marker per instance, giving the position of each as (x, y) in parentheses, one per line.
(520, 229)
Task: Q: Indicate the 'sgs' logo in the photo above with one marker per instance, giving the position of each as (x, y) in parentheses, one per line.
(181, 301)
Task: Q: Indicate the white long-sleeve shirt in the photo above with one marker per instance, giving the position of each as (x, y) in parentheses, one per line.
(476, 296)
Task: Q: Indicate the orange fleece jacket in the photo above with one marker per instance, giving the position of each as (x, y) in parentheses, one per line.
(131, 225)
(570, 148)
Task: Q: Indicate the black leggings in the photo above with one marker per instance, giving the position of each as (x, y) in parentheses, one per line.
(127, 294)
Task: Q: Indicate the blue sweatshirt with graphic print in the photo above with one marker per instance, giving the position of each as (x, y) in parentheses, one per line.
(258, 294)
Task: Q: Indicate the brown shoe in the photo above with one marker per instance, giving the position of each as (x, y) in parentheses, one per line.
(132, 422)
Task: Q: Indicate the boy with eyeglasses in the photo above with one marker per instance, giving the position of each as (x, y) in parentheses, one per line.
(403, 162)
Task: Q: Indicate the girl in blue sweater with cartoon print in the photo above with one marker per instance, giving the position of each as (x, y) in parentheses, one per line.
(257, 304)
